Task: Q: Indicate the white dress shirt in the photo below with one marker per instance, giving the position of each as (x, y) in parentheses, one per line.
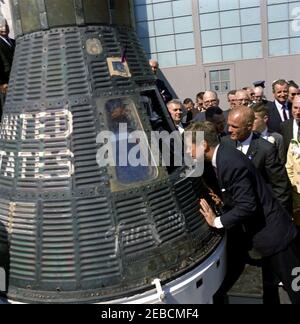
(180, 128)
(279, 108)
(265, 134)
(295, 130)
(268, 137)
(244, 146)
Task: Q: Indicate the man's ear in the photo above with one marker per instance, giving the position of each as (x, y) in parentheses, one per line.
(266, 119)
(205, 146)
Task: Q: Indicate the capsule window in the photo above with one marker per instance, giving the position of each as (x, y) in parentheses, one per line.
(130, 156)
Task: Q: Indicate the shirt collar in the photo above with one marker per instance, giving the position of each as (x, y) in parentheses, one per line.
(214, 159)
(6, 40)
(279, 105)
(180, 128)
(265, 133)
(247, 141)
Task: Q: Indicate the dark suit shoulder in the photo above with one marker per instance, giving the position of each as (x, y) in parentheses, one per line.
(271, 105)
(287, 124)
(264, 144)
(228, 155)
(226, 139)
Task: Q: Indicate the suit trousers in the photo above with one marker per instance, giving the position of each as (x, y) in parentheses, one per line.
(282, 265)
(237, 255)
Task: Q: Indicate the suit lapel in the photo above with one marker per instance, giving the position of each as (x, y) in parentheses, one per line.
(253, 149)
(276, 113)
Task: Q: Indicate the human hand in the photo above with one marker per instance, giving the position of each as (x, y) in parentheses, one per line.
(216, 199)
(3, 88)
(208, 213)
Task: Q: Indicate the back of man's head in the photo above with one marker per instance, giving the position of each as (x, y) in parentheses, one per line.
(209, 130)
(211, 112)
(260, 109)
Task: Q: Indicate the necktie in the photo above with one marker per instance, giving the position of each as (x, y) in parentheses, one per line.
(285, 116)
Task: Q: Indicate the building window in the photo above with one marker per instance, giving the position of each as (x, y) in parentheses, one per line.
(284, 27)
(166, 31)
(230, 29)
(220, 80)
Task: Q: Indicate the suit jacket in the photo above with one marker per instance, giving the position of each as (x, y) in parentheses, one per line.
(6, 59)
(164, 91)
(287, 131)
(249, 202)
(274, 117)
(264, 157)
(279, 143)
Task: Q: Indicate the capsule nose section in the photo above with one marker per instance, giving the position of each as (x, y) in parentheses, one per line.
(79, 230)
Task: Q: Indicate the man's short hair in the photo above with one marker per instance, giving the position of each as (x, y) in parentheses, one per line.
(280, 82)
(231, 93)
(200, 95)
(210, 132)
(210, 112)
(260, 109)
(293, 84)
(174, 102)
(246, 112)
(187, 101)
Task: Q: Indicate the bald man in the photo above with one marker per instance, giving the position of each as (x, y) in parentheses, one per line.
(263, 154)
(162, 88)
(242, 98)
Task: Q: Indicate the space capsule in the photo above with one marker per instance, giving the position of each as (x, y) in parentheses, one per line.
(73, 230)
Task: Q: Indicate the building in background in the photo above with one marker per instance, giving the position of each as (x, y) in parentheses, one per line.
(218, 44)
(221, 44)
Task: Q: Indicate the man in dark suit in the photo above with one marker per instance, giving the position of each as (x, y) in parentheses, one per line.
(261, 126)
(279, 110)
(250, 206)
(291, 128)
(162, 88)
(7, 48)
(176, 108)
(263, 154)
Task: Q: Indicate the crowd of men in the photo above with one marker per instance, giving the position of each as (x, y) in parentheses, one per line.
(253, 146)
